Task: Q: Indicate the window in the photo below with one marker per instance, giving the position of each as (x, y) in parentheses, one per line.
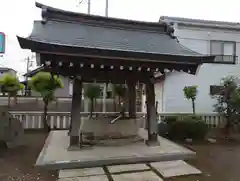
(215, 89)
(224, 51)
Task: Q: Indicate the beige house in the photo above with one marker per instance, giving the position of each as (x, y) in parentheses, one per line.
(4, 70)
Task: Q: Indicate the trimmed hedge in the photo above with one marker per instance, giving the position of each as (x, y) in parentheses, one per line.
(170, 119)
(187, 127)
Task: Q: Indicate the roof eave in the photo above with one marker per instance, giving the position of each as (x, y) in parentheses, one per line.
(27, 43)
(24, 42)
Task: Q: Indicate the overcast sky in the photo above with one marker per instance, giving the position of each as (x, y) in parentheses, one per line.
(16, 16)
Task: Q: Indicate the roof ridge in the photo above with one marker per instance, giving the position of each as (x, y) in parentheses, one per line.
(42, 6)
(52, 13)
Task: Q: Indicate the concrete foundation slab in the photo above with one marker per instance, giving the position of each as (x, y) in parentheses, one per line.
(92, 178)
(55, 154)
(175, 168)
(139, 176)
(85, 172)
(127, 168)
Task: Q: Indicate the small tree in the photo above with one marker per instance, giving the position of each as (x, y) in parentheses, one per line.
(10, 84)
(228, 101)
(119, 91)
(190, 92)
(45, 84)
(92, 93)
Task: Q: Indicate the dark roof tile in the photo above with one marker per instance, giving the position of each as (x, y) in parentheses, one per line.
(97, 37)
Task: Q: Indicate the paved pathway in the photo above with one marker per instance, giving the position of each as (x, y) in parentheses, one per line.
(135, 172)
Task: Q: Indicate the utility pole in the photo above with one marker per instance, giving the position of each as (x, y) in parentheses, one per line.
(89, 6)
(106, 9)
(29, 64)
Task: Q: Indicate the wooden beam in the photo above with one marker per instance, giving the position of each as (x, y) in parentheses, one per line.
(100, 75)
(135, 65)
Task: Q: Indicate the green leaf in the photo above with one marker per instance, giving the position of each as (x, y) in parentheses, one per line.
(228, 100)
(92, 91)
(10, 84)
(190, 92)
(45, 84)
(119, 90)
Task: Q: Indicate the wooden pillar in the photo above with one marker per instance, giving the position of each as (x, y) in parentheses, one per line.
(132, 98)
(151, 115)
(75, 112)
(104, 98)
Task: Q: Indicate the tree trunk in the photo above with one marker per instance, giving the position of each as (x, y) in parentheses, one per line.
(229, 120)
(115, 104)
(227, 127)
(9, 99)
(91, 107)
(45, 123)
(15, 99)
(193, 106)
(119, 103)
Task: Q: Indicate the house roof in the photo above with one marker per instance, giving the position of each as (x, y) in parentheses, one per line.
(34, 72)
(71, 30)
(199, 22)
(6, 69)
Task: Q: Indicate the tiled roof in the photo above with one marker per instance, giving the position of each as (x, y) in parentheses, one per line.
(69, 29)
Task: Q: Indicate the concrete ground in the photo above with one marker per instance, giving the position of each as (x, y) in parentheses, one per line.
(55, 154)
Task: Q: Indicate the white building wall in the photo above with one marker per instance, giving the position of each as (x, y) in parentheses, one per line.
(198, 39)
(158, 97)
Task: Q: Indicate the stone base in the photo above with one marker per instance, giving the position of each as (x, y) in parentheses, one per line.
(74, 141)
(102, 128)
(152, 142)
(118, 142)
(97, 156)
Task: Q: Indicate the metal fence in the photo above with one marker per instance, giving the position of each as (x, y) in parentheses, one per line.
(61, 120)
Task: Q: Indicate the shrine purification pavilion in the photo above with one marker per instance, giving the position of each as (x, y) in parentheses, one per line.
(90, 48)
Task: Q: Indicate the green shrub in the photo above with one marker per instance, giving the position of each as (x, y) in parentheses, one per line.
(191, 118)
(186, 128)
(170, 119)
